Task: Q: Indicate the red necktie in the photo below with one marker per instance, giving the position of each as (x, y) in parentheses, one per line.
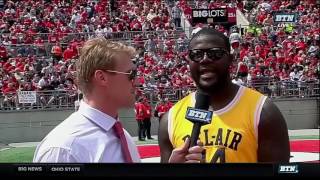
(124, 145)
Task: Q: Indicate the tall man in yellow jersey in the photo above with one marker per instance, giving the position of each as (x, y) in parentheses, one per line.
(246, 125)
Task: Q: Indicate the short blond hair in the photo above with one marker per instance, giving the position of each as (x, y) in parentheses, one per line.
(98, 53)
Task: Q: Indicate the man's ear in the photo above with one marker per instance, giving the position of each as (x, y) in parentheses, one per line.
(100, 78)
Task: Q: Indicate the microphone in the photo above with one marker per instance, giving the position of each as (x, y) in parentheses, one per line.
(199, 115)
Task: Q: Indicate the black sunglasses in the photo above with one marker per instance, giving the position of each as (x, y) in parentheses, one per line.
(132, 74)
(213, 54)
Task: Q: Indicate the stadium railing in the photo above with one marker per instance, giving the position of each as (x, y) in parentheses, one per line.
(45, 51)
(285, 89)
(122, 35)
(57, 99)
(68, 99)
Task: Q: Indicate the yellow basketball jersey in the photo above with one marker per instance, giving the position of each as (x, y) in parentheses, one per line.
(232, 135)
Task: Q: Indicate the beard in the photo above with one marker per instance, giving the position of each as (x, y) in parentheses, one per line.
(211, 86)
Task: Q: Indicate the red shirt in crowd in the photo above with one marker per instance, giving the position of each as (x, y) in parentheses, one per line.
(261, 17)
(28, 40)
(297, 59)
(147, 70)
(14, 39)
(301, 45)
(27, 21)
(8, 90)
(39, 43)
(287, 44)
(177, 82)
(161, 109)
(68, 54)
(56, 50)
(243, 52)
(169, 105)
(138, 41)
(141, 80)
(243, 68)
(52, 38)
(139, 110)
(147, 110)
(188, 11)
(3, 52)
(8, 67)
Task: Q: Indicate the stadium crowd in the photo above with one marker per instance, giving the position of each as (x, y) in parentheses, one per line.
(40, 42)
(287, 53)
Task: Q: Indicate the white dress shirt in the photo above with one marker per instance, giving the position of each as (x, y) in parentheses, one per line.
(86, 136)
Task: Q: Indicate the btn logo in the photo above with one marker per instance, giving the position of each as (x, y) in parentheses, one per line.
(197, 115)
(284, 18)
(288, 169)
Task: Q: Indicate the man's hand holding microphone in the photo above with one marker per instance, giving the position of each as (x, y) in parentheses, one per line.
(185, 154)
(192, 151)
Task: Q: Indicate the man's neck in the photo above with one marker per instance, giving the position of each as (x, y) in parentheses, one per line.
(102, 105)
(224, 95)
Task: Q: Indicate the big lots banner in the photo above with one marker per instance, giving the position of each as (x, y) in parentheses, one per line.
(214, 16)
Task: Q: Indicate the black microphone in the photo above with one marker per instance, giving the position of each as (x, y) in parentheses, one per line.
(199, 115)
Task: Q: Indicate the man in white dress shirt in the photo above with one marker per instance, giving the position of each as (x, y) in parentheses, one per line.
(106, 77)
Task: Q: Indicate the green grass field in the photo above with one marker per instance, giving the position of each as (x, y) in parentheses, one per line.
(25, 154)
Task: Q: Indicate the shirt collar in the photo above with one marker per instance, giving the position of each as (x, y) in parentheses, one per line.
(101, 119)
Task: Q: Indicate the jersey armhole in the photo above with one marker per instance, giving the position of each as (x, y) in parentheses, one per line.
(170, 125)
(257, 115)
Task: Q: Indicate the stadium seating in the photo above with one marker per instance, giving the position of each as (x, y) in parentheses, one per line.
(40, 42)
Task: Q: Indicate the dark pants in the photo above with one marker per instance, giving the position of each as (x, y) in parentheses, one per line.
(140, 129)
(177, 22)
(147, 127)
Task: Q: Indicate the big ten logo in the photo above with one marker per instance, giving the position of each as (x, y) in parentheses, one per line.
(288, 169)
(285, 18)
(199, 115)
